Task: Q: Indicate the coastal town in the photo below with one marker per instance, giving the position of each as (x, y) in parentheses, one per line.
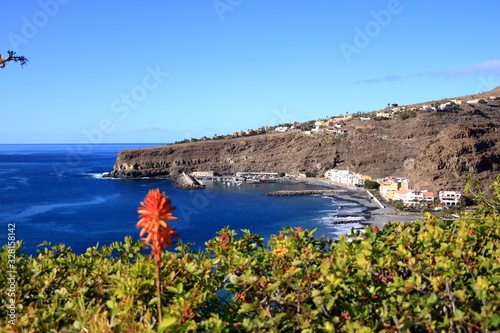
(392, 189)
(413, 157)
(395, 190)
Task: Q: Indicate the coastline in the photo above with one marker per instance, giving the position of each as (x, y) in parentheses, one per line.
(378, 216)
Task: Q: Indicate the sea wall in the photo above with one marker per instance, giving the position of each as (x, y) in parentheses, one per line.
(185, 182)
(294, 193)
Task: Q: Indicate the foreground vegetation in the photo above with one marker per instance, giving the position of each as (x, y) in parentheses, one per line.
(429, 276)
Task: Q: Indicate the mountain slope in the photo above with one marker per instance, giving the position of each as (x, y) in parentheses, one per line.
(433, 149)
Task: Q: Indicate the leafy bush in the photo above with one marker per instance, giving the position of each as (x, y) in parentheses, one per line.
(429, 276)
(405, 115)
(372, 185)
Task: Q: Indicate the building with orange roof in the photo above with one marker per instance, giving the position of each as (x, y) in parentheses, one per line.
(449, 198)
(389, 186)
(413, 198)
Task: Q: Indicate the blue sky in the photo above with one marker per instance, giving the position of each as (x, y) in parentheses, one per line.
(161, 71)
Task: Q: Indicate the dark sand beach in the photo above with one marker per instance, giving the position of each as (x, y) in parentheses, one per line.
(379, 213)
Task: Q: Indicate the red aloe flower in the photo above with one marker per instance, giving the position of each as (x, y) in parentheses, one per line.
(154, 213)
(155, 210)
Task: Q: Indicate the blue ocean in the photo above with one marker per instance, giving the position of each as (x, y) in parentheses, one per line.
(55, 193)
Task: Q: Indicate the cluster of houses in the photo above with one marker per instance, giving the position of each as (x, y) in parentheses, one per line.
(334, 124)
(347, 178)
(395, 188)
(448, 106)
(331, 125)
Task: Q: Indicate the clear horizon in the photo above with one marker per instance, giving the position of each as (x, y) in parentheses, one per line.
(145, 73)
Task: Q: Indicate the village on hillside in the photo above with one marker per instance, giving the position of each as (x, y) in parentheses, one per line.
(335, 125)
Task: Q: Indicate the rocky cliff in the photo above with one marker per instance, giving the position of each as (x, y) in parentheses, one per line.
(433, 149)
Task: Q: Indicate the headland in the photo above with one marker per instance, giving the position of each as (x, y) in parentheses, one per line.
(432, 144)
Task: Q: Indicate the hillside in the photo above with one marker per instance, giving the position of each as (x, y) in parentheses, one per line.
(433, 149)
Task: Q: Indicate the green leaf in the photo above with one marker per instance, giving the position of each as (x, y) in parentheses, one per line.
(432, 299)
(247, 307)
(110, 304)
(459, 315)
(166, 323)
(495, 320)
(172, 289)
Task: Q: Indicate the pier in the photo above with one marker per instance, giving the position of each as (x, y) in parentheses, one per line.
(293, 193)
(186, 182)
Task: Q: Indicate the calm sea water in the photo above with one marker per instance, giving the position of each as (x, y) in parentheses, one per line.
(55, 193)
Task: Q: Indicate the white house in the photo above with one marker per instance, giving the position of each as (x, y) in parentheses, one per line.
(476, 101)
(384, 114)
(345, 177)
(428, 108)
(447, 106)
(281, 129)
(449, 198)
(412, 198)
(202, 173)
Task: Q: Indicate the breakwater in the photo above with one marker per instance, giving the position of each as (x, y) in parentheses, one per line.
(351, 215)
(186, 182)
(288, 193)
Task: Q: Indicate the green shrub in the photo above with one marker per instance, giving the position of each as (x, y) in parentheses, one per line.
(371, 185)
(428, 276)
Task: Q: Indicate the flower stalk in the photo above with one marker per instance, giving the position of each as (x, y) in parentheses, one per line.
(154, 213)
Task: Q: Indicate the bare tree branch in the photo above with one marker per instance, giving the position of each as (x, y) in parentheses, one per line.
(12, 57)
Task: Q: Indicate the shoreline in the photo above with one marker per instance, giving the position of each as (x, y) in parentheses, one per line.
(377, 216)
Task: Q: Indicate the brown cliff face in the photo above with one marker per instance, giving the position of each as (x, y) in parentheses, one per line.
(434, 150)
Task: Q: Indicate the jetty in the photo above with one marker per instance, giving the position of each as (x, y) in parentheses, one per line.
(186, 182)
(293, 193)
(351, 215)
